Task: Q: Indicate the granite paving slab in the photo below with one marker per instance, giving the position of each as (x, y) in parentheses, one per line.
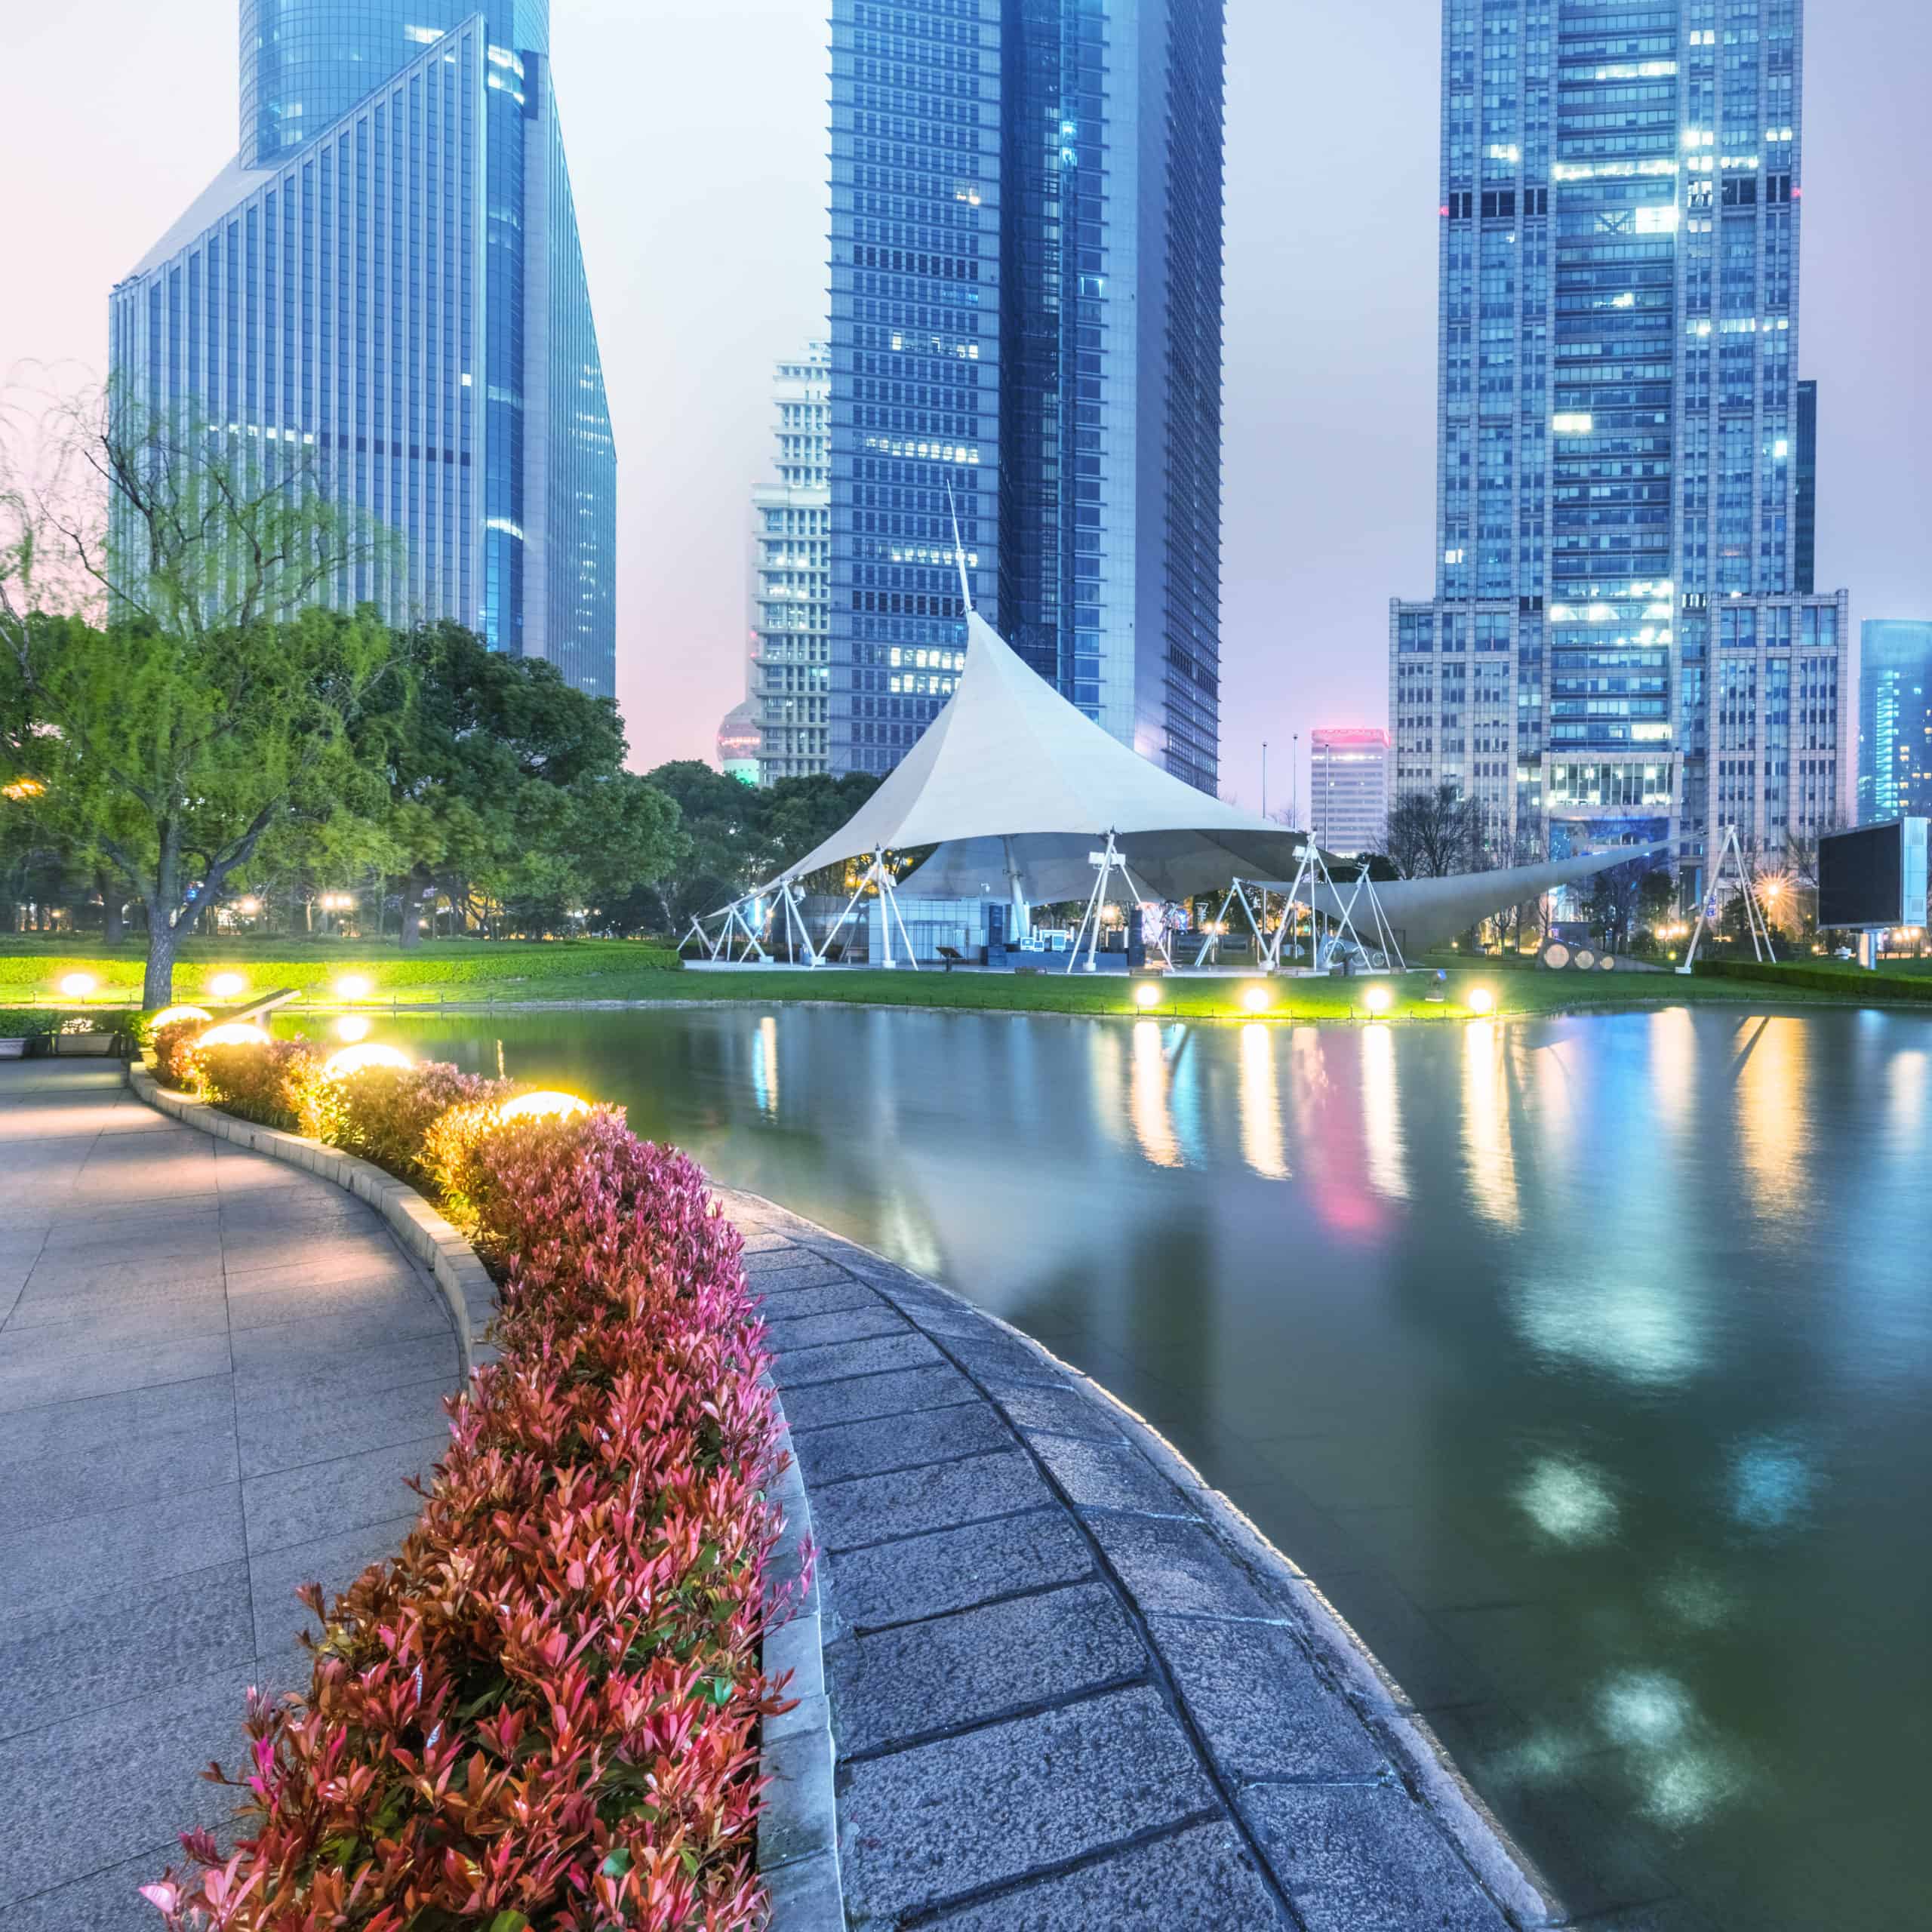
(215, 1371)
(1068, 1685)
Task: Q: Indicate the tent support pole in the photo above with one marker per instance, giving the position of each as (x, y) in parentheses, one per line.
(838, 924)
(1142, 897)
(1213, 938)
(1108, 859)
(888, 911)
(1762, 950)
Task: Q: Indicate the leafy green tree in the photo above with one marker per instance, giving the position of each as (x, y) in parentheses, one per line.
(164, 670)
(508, 792)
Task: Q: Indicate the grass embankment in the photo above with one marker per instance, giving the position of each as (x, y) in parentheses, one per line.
(465, 972)
(33, 969)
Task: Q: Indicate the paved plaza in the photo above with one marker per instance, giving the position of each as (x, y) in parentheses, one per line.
(216, 1371)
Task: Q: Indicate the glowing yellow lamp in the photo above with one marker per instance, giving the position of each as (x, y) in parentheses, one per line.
(1378, 999)
(1481, 1000)
(234, 1033)
(360, 1060)
(77, 986)
(1147, 994)
(228, 986)
(352, 985)
(173, 1016)
(353, 1027)
(543, 1106)
(1256, 999)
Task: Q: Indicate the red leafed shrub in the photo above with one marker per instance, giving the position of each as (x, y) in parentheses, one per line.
(274, 1083)
(543, 1712)
(384, 1115)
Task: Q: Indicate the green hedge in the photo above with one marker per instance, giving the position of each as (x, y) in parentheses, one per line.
(35, 1023)
(273, 968)
(1873, 988)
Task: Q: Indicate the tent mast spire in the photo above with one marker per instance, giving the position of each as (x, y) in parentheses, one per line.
(958, 548)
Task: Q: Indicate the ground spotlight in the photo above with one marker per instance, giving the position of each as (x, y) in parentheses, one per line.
(234, 1033)
(352, 985)
(1378, 999)
(543, 1106)
(228, 986)
(1256, 999)
(77, 986)
(360, 1058)
(1481, 1000)
(1147, 994)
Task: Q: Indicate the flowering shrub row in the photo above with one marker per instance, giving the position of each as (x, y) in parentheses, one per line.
(543, 1712)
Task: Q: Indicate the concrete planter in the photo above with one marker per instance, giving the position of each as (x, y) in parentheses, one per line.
(13, 1049)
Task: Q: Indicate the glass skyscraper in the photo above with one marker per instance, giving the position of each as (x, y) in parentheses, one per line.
(1623, 644)
(791, 667)
(1026, 314)
(386, 284)
(1894, 720)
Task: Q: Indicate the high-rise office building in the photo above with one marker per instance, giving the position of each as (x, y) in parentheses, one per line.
(1894, 720)
(1623, 644)
(791, 667)
(1026, 314)
(1348, 796)
(386, 284)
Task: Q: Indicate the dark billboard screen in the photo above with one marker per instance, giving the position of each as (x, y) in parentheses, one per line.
(1861, 877)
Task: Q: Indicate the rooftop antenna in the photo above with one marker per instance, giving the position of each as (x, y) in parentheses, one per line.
(958, 548)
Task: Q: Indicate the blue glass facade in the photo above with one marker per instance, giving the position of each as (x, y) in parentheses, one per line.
(1894, 720)
(1026, 323)
(388, 278)
(1624, 643)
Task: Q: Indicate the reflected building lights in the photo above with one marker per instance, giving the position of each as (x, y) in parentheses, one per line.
(1905, 1104)
(1568, 1501)
(1263, 1146)
(765, 1068)
(1489, 1153)
(1771, 1483)
(1381, 1118)
(1672, 1042)
(1773, 1107)
(1153, 1127)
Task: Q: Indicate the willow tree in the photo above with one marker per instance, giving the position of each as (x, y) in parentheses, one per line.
(179, 667)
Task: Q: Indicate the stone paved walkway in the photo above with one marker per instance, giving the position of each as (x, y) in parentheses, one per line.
(215, 1372)
(1069, 1689)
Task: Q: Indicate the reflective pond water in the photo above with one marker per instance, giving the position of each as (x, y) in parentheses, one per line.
(1586, 1364)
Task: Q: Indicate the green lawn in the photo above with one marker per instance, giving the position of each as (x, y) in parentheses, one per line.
(33, 968)
(477, 972)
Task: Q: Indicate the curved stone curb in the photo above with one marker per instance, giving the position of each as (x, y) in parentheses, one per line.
(1190, 1571)
(798, 1832)
(469, 1294)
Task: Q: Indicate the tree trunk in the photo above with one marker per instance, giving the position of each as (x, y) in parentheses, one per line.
(158, 985)
(409, 934)
(113, 927)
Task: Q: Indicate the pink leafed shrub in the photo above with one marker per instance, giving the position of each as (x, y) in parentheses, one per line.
(543, 1713)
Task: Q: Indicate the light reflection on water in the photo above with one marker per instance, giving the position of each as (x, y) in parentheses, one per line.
(1586, 1363)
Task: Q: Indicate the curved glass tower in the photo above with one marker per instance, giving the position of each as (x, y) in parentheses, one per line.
(388, 278)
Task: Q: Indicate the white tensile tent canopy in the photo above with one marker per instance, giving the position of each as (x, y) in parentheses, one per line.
(1017, 789)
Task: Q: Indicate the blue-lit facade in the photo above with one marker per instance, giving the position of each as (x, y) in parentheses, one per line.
(1026, 313)
(1624, 643)
(387, 285)
(1894, 720)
